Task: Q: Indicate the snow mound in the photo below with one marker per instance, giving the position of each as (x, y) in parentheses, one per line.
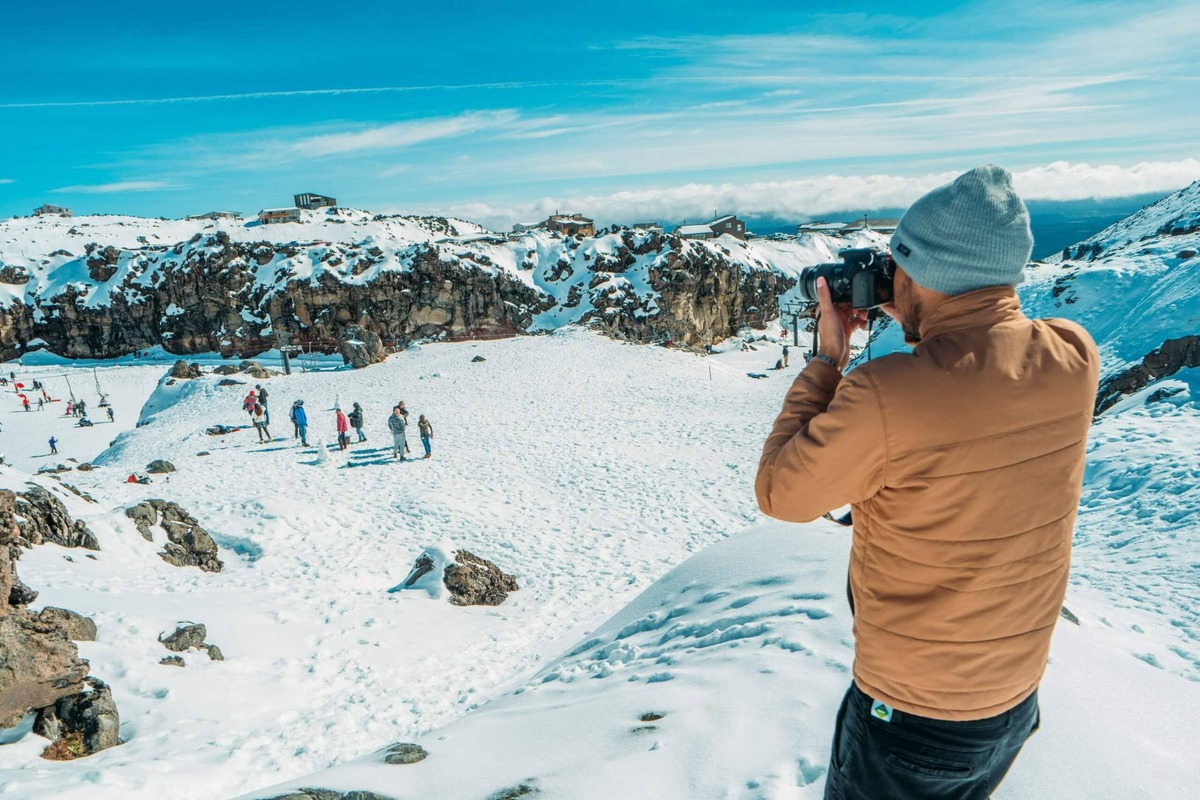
(723, 678)
(428, 571)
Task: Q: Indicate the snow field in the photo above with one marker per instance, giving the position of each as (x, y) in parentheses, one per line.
(585, 467)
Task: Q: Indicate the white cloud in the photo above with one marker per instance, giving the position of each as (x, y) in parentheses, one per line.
(7, 180)
(805, 198)
(399, 135)
(120, 186)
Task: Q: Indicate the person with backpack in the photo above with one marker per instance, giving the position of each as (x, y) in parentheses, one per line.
(53, 446)
(356, 420)
(300, 419)
(343, 426)
(785, 355)
(260, 423)
(426, 429)
(397, 424)
(81, 409)
(249, 403)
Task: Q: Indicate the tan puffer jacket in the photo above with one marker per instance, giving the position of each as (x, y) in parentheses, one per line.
(964, 465)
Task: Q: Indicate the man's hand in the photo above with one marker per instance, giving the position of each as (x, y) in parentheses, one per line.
(835, 324)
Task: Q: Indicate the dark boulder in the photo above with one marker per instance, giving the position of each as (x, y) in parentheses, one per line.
(360, 347)
(329, 794)
(478, 360)
(91, 716)
(188, 544)
(185, 637)
(45, 519)
(474, 581)
(77, 627)
(160, 467)
(230, 382)
(225, 369)
(185, 371)
(404, 753)
(172, 661)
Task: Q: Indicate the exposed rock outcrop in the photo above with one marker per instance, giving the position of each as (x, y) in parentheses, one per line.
(188, 544)
(160, 467)
(38, 664)
(404, 753)
(45, 519)
(361, 348)
(185, 371)
(192, 636)
(329, 794)
(211, 293)
(474, 581)
(87, 720)
(77, 627)
(1172, 356)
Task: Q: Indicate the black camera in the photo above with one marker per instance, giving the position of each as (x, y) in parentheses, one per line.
(864, 278)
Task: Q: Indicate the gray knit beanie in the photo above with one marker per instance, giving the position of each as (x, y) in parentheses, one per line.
(969, 234)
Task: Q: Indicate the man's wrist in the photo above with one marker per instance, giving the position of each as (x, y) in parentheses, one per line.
(828, 360)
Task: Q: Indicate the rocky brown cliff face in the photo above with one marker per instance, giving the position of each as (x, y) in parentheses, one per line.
(214, 294)
(38, 663)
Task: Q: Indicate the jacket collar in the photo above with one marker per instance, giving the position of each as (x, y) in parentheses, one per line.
(981, 308)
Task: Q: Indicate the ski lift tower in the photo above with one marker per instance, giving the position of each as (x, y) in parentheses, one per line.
(286, 351)
(795, 307)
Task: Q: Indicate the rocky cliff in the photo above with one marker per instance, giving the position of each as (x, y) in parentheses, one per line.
(106, 286)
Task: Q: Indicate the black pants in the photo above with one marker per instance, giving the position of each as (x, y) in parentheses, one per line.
(917, 758)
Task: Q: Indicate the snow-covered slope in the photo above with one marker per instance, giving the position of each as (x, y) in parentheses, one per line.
(722, 681)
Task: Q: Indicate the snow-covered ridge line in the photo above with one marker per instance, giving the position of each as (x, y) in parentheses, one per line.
(106, 286)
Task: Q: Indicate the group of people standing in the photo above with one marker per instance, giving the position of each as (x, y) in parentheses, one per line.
(398, 425)
(256, 405)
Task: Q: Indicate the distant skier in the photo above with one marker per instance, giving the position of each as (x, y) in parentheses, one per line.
(260, 423)
(70, 408)
(343, 428)
(25, 402)
(41, 404)
(397, 424)
(292, 417)
(53, 446)
(356, 421)
(300, 418)
(81, 409)
(785, 355)
(110, 414)
(262, 400)
(426, 429)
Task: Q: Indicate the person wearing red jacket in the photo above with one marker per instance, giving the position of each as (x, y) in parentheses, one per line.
(343, 428)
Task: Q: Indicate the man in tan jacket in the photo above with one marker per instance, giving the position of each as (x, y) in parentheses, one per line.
(963, 464)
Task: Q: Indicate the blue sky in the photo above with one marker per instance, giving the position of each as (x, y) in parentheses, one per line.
(500, 111)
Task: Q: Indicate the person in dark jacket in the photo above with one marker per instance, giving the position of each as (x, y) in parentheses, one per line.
(426, 429)
(356, 421)
(300, 420)
(262, 401)
(53, 446)
(397, 425)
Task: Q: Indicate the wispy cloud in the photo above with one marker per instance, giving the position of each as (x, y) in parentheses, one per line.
(7, 180)
(399, 135)
(833, 194)
(120, 186)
